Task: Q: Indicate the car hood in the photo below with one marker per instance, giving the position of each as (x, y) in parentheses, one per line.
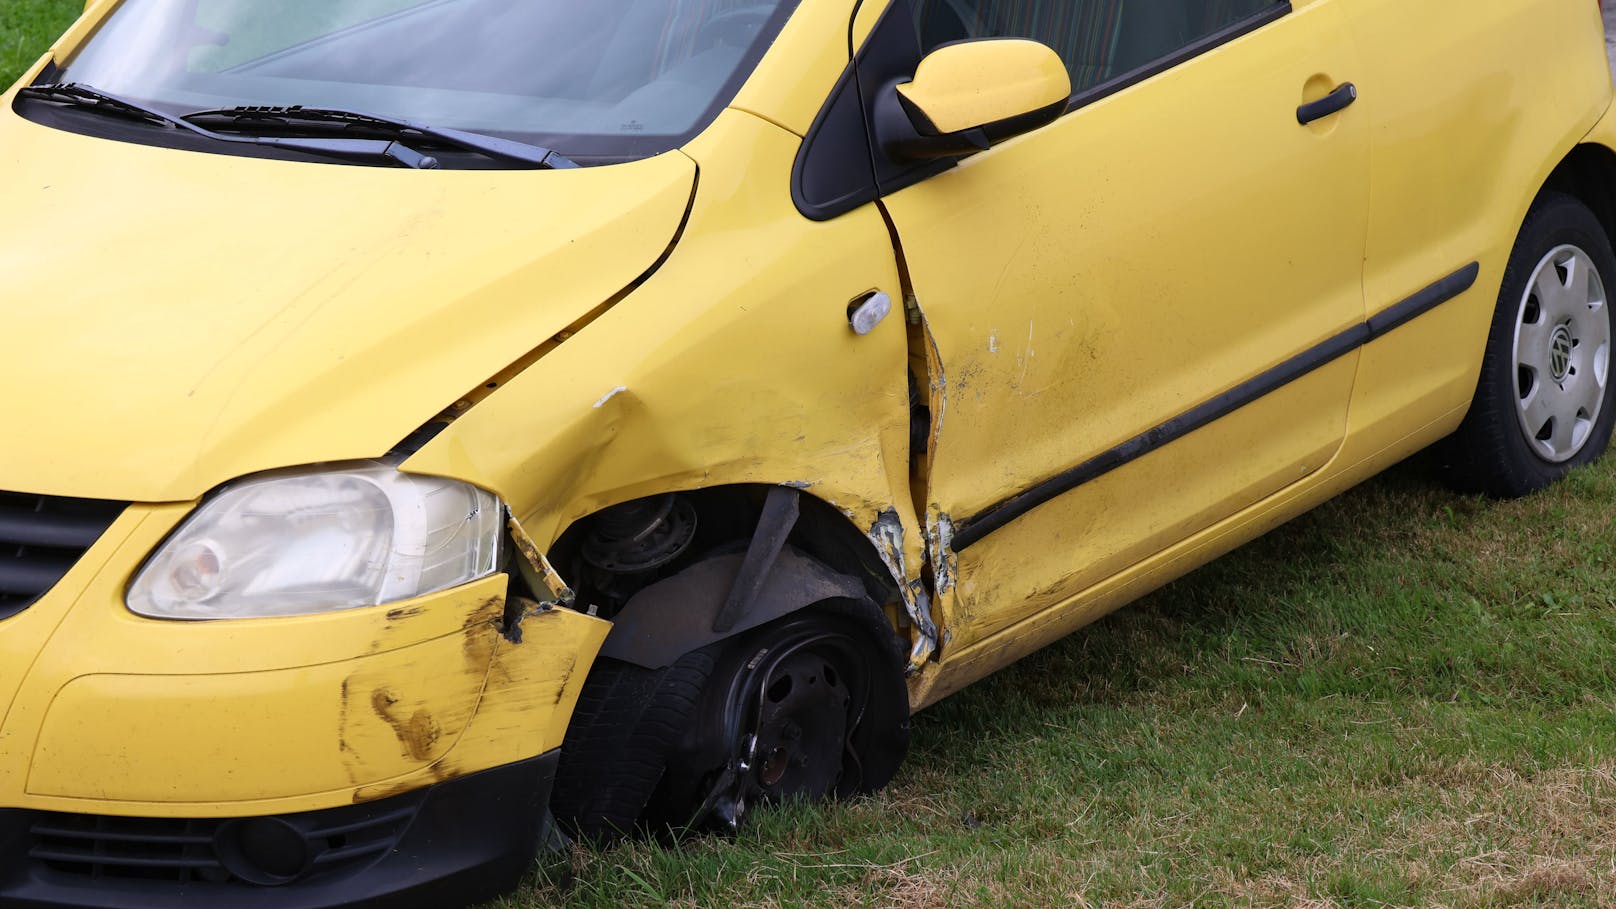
(172, 320)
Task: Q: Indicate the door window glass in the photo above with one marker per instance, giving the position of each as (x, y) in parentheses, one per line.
(1100, 40)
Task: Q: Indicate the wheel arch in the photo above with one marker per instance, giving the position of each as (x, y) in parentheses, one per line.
(765, 552)
(1588, 173)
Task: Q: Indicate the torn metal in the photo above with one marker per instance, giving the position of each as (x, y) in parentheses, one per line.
(541, 577)
(940, 553)
(888, 537)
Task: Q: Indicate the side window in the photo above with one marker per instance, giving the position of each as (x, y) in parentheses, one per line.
(1100, 40)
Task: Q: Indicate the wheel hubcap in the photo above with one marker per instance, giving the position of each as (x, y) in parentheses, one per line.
(1562, 354)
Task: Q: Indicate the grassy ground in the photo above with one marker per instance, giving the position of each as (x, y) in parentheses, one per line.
(1404, 698)
(27, 27)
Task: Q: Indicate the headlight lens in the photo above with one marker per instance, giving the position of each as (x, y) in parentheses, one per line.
(300, 544)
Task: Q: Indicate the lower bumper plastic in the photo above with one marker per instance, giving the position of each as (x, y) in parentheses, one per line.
(450, 845)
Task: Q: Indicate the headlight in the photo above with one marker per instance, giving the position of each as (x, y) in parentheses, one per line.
(298, 544)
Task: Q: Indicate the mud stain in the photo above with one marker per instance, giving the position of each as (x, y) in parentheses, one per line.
(417, 733)
(489, 612)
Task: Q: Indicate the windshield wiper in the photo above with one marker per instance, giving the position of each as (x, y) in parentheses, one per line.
(295, 118)
(83, 96)
(87, 97)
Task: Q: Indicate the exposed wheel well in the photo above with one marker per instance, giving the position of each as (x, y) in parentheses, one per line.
(613, 554)
(663, 735)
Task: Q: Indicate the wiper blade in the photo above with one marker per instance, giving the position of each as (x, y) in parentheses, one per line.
(78, 94)
(295, 117)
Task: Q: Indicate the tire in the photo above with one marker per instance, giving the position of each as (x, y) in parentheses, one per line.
(627, 721)
(1545, 403)
(668, 750)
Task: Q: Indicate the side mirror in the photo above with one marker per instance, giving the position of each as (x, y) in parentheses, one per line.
(968, 96)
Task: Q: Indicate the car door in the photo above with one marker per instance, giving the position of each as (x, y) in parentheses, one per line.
(1138, 319)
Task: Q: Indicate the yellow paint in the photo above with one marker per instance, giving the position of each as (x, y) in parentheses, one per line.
(95, 12)
(800, 69)
(1089, 315)
(303, 322)
(751, 290)
(272, 716)
(1457, 163)
(980, 83)
(1072, 288)
(864, 21)
(384, 715)
(1468, 176)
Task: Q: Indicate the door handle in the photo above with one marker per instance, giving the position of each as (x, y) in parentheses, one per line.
(1333, 103)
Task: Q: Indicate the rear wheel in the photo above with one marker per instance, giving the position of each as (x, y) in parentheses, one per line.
(810, 707)
(1543, 405)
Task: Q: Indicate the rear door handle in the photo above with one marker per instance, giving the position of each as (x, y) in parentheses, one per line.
(1333, 103)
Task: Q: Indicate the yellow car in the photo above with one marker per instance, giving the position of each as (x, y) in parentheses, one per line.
(433, 424)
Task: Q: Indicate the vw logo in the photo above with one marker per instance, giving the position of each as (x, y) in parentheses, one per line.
(1560, 353)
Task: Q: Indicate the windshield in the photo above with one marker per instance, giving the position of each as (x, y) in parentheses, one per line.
(605, 79)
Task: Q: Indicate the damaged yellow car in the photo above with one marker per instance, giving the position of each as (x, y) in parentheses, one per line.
(433, 423)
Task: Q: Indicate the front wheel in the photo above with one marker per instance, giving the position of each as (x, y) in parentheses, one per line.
(810, 707)
(1543, 405)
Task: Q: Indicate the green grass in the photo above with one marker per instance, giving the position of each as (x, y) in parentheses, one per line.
(1405, 698)
(27, 28)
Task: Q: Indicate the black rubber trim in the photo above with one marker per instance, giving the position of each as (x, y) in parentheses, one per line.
(997, 517)
(1423, 302)
(833, 174)
(469, 840)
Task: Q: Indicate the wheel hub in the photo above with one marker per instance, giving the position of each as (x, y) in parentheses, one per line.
(802, 725)
(798, 702)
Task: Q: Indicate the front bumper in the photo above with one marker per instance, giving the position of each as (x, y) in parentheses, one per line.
(453, 844)
(117, 715)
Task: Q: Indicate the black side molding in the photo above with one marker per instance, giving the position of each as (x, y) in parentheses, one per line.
(1394, 317)
(977, 528)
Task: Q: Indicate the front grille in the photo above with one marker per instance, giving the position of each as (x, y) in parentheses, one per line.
(253, 851)
(41, 539)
